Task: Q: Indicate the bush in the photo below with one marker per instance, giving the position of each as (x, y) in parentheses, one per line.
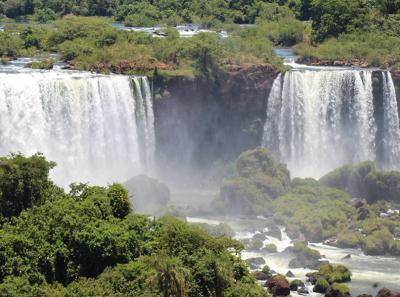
(24, 182)
(44, 64)
(270, 248)
(321, 286)
(379, 242)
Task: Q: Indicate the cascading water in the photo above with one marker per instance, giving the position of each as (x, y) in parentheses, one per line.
(319, 119)
(97, 128)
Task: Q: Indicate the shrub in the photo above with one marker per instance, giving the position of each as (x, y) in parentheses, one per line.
(321, 286)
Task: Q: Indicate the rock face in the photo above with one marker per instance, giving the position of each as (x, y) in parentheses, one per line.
(199, 121)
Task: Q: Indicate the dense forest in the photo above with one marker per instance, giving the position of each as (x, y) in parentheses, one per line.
(342, 32)
(89, 242)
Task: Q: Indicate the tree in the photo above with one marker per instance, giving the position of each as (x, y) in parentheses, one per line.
(24, 182)
(119, 200)
(388, 6)
(170, 278)
(333, 17)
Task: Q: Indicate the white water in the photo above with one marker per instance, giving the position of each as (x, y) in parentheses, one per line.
(321, 118)
(366, 270)
(98, 129)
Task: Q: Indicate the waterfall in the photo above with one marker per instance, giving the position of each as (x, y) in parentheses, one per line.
(318, 120)
(98, 128)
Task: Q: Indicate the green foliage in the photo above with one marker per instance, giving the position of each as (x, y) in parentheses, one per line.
(342, 288)
(119, 201)
(271, 248)
(221, 229)
(348, 239)
(363, 180)
(317, 212)
(89, 243)
(304, 251)
(333, 17)
(334, 273)
(44, 64)
(260, 179)
(24, 182)
(379, 242)
(266, 269)
(321, 286)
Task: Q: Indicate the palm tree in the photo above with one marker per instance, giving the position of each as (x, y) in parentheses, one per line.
(170, 278)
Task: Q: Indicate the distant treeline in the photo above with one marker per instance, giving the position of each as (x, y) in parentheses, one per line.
(237, 11)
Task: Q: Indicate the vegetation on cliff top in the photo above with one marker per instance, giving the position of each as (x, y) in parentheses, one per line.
(353, 32)
(318, 210)
(92, 44)
(89, 242)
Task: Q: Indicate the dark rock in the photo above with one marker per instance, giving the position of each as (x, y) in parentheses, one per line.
(305, 263)
(332, 292)
(261, 276)
(296, 284)
(312, 277)
(365, 295)
(331, 241)
(303, 291)
(274, 231)
(387, 293)
(255, 263)
(278, 286)
(347, 256)
(259, 236)
(189, 109)
(290, 274)
(147, 193)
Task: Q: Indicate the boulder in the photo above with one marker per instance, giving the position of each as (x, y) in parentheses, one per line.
(303, 291)
(255, 263)
(338, 290)
(290, 274)
(296, 285)
(278, 286)
(387, 293)
(347, 257)
(261, 276)
(270, 248)
(274, 231)
(148, 194)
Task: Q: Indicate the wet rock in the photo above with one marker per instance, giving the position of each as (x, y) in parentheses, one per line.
(331, 241)
(270, 248)
(335, 291)
(278, 286)
(387, 293)
(296, 285)
(365, 295)
(274, 231)
(261, 276)
(259, 236)
(255, 263)
(305, 263)
(347, 256)
(303, 291)
(290, 274)
(312, 277)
